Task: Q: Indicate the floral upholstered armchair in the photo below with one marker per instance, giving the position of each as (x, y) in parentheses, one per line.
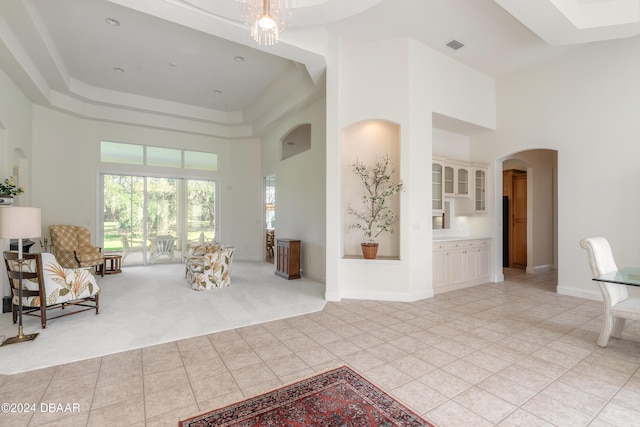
(209, 266)
(46, 285)
(72, 247)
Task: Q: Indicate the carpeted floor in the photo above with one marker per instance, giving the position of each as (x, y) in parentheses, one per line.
(151, 305)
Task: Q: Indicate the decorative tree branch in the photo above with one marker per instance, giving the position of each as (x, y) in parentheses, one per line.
(375, 217)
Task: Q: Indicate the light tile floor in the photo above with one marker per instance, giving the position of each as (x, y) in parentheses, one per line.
(509, 354)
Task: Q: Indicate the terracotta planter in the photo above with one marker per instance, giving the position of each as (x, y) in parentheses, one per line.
(369, 250)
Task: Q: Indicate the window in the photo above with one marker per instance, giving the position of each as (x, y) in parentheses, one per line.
(117, 152)
(155, 219)
(149, 155)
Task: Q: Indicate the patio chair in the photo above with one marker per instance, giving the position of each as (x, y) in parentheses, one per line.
(72, 247)
(162, 246)
(618, 306)
(131, 246)
(47, 285)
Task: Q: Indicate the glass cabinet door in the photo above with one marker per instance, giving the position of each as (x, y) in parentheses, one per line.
(480, 184)
(437, 187)
(449, 180)
(462, 182)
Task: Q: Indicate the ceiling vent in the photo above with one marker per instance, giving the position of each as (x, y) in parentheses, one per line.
(455, 44)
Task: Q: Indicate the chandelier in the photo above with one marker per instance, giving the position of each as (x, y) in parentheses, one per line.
(266, 18)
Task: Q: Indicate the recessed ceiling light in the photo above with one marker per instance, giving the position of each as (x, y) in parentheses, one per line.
(118, 69)
(173, 64)
(239, 58)
(217, 92)
(112, 21)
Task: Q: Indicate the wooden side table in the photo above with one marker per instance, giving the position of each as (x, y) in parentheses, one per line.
(112, 264)
(288, 261)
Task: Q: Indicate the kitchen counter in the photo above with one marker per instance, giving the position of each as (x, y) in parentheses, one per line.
(456, 238)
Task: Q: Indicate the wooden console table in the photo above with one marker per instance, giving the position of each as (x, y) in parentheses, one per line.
(288, 258)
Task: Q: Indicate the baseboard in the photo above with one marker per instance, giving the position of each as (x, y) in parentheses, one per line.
(456, 286)
(386, 296)
(594, 295)
(540, 268)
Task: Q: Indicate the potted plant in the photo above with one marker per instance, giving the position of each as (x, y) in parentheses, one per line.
(375, 217)
(8, 189)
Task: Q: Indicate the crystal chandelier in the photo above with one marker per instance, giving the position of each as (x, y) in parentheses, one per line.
(266, 18)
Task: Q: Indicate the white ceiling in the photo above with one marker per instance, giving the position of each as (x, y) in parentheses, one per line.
(179, 56)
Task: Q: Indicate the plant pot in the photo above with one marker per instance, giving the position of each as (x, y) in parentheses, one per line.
(369, 250)
(5, 200)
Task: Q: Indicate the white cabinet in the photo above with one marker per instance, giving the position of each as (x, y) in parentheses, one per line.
(456, 180)
(439, 265)
(465, 182)
(480, 190)
(461, 263)
(437, 188)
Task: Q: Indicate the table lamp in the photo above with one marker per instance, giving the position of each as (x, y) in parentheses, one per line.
(19, 223)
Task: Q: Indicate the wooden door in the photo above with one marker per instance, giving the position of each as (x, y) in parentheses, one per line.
(514, 187)
(519, 221)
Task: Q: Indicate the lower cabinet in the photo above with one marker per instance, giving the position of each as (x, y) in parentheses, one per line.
(461, 263)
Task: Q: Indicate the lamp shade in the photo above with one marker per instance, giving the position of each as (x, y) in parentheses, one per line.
(20, 222)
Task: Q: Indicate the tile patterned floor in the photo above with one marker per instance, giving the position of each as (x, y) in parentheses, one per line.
(508, 354)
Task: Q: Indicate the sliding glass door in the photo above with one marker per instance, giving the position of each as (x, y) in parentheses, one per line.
(153, 219)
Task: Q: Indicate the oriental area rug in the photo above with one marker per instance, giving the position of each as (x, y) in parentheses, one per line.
(340, 397)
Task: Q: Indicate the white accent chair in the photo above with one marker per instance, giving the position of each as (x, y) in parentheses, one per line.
(618, 306)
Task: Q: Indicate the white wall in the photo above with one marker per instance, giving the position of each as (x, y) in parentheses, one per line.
(404, 82)
(300, 189)
(584, 105)
(66, 169)
(15, 149)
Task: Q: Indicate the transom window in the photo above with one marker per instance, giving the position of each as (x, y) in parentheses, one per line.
(149, 155)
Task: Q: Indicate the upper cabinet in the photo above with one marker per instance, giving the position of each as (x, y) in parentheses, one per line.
(464, 181)
(437, 187)
(480, 191)
(456, 180)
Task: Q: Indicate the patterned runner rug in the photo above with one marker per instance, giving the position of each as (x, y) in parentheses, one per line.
(340, 397)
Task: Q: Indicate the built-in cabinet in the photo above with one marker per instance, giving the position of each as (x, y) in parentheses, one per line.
(459, 264)
(456, 180)
(461, 180)
(437, 187)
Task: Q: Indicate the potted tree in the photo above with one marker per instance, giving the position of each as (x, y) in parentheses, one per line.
(374, 217)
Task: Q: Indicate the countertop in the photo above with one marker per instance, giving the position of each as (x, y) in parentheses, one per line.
(455, 238)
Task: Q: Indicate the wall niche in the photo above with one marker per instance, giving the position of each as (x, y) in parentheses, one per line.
(367, 141)
(296, 141)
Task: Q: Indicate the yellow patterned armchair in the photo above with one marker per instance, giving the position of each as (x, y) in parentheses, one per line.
(209, 266)
(46, 285)
(72, 247)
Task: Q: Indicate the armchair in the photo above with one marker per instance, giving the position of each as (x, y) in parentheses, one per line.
(46, 285)
(72, 247)
(209, 266)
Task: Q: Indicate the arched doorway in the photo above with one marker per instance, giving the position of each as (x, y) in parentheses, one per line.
(529, 231)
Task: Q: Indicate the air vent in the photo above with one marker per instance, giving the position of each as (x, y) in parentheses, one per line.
(455, 44)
